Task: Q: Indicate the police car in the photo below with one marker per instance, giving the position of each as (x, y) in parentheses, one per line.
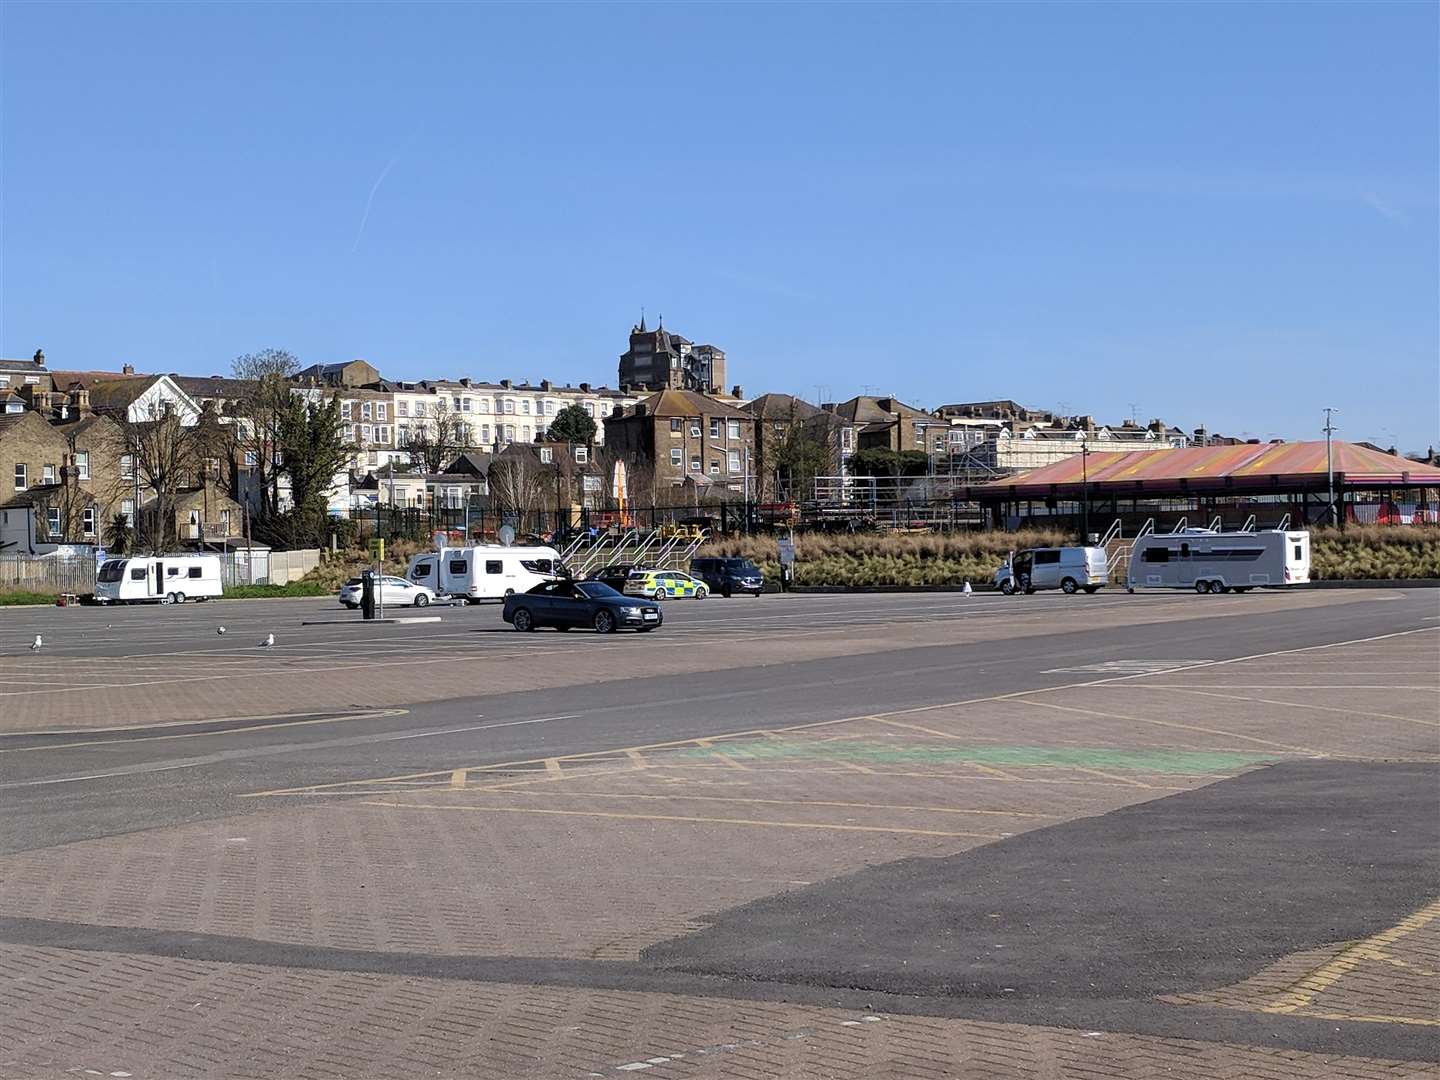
(664, 584)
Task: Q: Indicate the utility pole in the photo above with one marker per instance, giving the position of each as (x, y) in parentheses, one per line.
(1084, 489)
(1330, 463)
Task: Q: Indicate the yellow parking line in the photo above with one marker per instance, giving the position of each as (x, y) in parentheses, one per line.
(552, 767)
(457, 778)
(693, 820)
(1303, 991)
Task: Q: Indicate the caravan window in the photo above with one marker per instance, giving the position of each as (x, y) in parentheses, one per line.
(112, 571)
(1157, 554)
(1184, 551)
(422, 569)
(537, 566)
(194, 572)
(172, 571)
(138, 574)
(1298, 556)
(493, 566)
(459, 566)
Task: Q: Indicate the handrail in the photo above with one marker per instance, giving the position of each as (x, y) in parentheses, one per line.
(1284, 524)
(1180, 526)
(1216, 525)
(1249, 525)
(1146, 529)
(1114, 532)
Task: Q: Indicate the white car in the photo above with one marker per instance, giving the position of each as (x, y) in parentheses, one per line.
(393, 591)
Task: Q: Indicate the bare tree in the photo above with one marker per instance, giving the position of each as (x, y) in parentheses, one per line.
(437, 438)
(260, 413)
(519, 483)
(168, 456)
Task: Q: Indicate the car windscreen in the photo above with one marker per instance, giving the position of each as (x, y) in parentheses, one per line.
(741, 566)
(597, 590)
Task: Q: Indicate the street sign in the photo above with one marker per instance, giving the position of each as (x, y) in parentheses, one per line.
(787, 551)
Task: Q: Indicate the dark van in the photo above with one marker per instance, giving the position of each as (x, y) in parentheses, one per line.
(729, 576)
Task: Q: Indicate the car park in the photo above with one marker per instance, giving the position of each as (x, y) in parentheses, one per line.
(728, 576)
(393, 591)
(566, 604)
(664, 584)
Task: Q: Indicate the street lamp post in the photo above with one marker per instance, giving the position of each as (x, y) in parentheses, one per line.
(1084, 489)
(1330, 514)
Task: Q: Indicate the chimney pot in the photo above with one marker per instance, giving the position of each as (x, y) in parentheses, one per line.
(545, 384)
(127, 369)
(39, 358)
(585, 387)
(735, 390)
(507, 383)
(465, 381)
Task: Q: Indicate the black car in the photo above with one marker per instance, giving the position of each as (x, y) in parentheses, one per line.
(729, 576)
(565, 603)
(615, 574)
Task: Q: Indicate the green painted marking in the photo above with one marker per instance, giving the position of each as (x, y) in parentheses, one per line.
(1099, 757)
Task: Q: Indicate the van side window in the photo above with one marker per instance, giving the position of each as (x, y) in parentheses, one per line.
(458, 566)
(1043, 558)
(194, 572)
(493, 566)
(421, 570)
(1157, 554)
(138, 574)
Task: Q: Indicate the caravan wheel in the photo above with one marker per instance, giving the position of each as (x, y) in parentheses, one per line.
(1202, 586)
(179, 598)
(1218, 587)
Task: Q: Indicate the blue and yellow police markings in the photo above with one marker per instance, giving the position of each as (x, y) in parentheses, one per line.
(666, 585)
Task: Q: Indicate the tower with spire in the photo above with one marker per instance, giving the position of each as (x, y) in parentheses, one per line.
(660, 360)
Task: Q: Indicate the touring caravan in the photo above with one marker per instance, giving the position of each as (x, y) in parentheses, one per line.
(485, 572)
(164, 579)
(1218, 562)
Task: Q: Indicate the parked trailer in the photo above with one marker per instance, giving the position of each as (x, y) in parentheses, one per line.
(1217, 562)
(162, 579)
(485, 571)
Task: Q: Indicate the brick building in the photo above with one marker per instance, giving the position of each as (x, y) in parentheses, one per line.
(679, 437)
(660, 360)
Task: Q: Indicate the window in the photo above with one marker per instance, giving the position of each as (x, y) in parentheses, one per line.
(1046, 558)
(372, 458)
(549, 408)
(582, 455)
(127, 507)
(21, 483)
(365, 432)
(494, 566)
(694, 464)
(138, 573)
(459, 566)
(127, 464)
(509, 406)
(589, 408)
(714, 466)
(422, 569)
(509, 433)
(734, 426)
(365, 410)
(482, 404)
(714, 427)
(402, 408)
(225, 522)
(734, 462)
(674, 425)
(172, 571)
(1184, 551)
(677, 456)
(420, 408)
(52, 518)
(47, 474)
(485, 433)
(194, 572)
(1157, 554)
(847, 438)
(112, 571)
(525, 432)
(381, 411)
(525, 406)
(32, 380)
(695, 429)
(546, 455)
(537, 566)
(467, 404)
(87, 521)
(1298, 555)
(345, 410)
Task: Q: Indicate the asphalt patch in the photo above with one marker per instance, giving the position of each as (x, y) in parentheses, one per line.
(1192, 892)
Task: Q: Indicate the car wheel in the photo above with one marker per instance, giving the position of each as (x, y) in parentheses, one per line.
(701, 593)
(604, 622)
(1202, 586)
(522, 620)
(1069, 587)
(1007, 587)
(508, 593)
(1218, 587)
(661, 594)
(421, 600)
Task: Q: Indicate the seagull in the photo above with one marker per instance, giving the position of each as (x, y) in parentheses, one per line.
(269, 640)
(35, 645)
(220, 629)
(967, 590)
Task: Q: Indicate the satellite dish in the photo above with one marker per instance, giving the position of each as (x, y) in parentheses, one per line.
(437, 541)
(505, 534)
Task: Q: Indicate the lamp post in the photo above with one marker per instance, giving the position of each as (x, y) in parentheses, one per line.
(1330, 464)
(1084, 488)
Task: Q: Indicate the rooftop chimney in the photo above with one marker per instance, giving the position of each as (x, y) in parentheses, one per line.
(584, 387)
(545, 384)
(507, 383)
(39, 357)
(127, 369)
(79, 398)
(735, 391)
(465, 381)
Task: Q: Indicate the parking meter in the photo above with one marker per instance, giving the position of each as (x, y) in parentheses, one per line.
(367, 594)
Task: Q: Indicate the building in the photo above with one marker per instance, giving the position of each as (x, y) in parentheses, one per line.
(679, 437)
(886, 423)
(59, 483)
(353, 373)
(660, 360)
(781, 421)
(496, 414)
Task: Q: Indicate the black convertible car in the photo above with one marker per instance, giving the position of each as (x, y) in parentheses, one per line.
(565, 603)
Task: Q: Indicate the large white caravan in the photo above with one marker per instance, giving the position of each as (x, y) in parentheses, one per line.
(165, 579)
(1217, 562)
(484, 572)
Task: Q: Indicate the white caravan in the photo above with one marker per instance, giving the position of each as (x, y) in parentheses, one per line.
(1218, 562)
(1069, 569)
(165, 579)
(485, 572)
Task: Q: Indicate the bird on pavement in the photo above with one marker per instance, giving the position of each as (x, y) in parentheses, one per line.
(967, 590)
(220, 629)
(269, 641)
(35, 645)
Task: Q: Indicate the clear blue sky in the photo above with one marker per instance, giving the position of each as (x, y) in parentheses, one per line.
(1223, 213)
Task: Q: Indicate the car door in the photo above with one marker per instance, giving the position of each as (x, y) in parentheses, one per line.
(1046, 573)
(568, 606)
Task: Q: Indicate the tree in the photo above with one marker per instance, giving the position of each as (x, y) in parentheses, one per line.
(119, 536)
(572, 424)
(435, 440)
(168, 455)
(808, 447)
(313, 452)
(879, 461)
(260, 413)
(518, 483)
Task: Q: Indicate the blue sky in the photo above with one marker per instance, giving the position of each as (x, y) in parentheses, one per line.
(1224, 214)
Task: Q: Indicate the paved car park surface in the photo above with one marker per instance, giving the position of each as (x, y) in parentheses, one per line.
(824, 836)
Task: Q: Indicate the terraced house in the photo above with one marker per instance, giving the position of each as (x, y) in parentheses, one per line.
(680, 437)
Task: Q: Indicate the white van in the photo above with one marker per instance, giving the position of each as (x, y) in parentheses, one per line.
(1218, 562)
(485, 572)
(164, 579)
(1068, 569)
